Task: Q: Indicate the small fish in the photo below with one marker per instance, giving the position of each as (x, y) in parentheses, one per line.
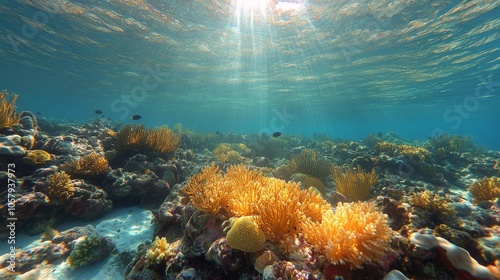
(277, 134)
(380, 134)
(98, 112)
(38, 113)
(135, 117)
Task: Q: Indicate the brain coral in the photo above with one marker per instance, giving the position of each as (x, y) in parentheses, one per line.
(245, 235)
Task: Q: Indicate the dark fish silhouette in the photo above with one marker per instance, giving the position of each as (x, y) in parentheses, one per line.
(277, 134)
(135, 117)
(38, 113)
(98, 112)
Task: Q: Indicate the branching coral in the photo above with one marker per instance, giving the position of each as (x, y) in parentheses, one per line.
(307, 162)
(92, 164)
(444, 144)
(224, 153)
(355, 233)
(354, 184)
(411, 152)
(161, 140)
(60, 187)
(485, 189)
(432, 202)
(278, 207)
(84, 251)
(158, 252)
(309, 181)
(8, 116)
(208, 191)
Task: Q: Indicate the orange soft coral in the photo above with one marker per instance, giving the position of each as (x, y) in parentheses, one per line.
(208, 191)
(92, 164)
(278, 207)
(485, 189)
(355, 233)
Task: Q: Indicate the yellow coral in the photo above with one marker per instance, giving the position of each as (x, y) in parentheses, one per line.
(309, 181)
(161, 140)
(8, 116)
(158, 252)
(432, 202)
(60, 187)
(355, 233)
(208, 191)
(307, 162)
(225, 154)
(409, 151)
(278, 207)
(485, 189)
(92, 164)
(245, 235)
(38, 156)
(354, 184)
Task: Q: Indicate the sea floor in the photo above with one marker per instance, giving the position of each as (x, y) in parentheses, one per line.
(104, 200)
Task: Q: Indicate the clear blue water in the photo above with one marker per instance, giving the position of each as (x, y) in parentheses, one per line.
(340, 68)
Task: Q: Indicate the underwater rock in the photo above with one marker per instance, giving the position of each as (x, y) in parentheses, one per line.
(85, 244)
(89, 202)
(62, 245)
(188, 274)
(366, 162)
(73, 145)
(398, 212)
(171, 210)
(224, 256)
(484, 166)
(463, 210)
(145, 188)
(33, 213)
(14, 145)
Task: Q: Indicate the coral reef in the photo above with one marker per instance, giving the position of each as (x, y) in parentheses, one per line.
(445, 145)
(158, 252)
(228, 153)
(353, 233)
(60, 187)
(307, 181)
(83, 252)
(354, 184)
(278, 229)
(414, 153)
(244, 234)
(8, 116)
(432, 202)
(90, 165)
(161, 140)
(485, 189)
(279, 207)
(307, 162)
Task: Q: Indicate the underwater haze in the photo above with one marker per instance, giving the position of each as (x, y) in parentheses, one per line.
(339, 68)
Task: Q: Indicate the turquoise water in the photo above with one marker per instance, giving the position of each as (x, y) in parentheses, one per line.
(340, 68)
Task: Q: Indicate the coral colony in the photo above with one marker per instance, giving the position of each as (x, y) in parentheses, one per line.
(228, 206)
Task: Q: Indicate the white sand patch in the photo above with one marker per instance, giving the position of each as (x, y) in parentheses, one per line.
(128, 227)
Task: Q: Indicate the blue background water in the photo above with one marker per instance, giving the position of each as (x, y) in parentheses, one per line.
(340, 68)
